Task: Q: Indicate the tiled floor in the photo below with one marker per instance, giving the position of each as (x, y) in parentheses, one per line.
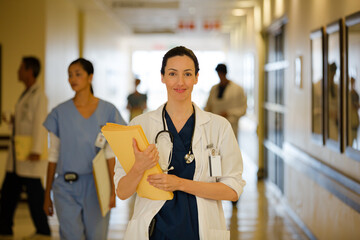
(258, 215)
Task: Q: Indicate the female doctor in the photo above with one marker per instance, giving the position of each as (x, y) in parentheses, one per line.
(199, 155)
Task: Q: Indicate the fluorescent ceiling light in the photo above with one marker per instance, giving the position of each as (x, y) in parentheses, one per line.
(238, 12)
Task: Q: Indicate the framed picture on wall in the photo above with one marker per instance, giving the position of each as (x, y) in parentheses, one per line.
(317, 85)
(352, 86)
(333, 85)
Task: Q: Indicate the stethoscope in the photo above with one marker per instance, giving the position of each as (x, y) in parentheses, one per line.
(189, 157)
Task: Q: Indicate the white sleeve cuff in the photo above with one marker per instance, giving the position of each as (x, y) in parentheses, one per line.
(54, 149)
(108, 151)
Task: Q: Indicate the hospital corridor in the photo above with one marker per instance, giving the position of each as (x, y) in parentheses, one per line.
(259, 213)
(255, 100)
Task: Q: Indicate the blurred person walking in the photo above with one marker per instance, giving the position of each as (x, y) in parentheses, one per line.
(30, 112)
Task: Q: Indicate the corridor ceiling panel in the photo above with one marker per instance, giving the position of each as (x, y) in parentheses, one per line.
(178, 16)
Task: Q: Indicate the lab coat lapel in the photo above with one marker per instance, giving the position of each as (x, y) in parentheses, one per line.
(201, 118)
(157, 114)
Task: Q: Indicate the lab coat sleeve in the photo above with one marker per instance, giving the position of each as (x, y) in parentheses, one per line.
(38, 131)
(108, 151)
(241, 104)
(232, 163)
(119, 173)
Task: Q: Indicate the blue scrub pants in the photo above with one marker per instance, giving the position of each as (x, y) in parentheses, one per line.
(78, 210)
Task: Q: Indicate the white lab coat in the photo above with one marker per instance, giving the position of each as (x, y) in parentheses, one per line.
(30, 113)
(209, 128)
(233, 102)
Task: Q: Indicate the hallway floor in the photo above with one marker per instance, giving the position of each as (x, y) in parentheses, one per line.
(258, 215)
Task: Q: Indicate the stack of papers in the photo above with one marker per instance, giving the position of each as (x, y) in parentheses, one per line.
(120, 138)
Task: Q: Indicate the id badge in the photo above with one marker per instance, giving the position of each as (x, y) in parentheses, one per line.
(215, 164)
(100, 140)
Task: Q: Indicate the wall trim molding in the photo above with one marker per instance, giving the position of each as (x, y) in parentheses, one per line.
(343, 187)
(275, 191)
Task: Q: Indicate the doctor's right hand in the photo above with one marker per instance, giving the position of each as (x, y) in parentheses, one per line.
(146, 159)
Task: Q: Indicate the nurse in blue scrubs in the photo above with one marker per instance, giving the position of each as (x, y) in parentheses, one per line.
(75, 139)
(204, 165)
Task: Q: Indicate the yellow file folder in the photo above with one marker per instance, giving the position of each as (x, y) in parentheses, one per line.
(102, 181)
(120, 139)
(23, 145)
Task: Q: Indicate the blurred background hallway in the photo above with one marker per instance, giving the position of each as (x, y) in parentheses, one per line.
(300, 135)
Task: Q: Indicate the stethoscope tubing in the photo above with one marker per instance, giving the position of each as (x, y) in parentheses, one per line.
(188, 157)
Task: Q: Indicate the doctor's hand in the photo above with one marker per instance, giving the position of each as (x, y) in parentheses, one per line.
(146, 159)
(48, 205)
(34, 157)
(166, 182)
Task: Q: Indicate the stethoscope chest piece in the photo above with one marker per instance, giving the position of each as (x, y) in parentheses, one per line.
(189, 157)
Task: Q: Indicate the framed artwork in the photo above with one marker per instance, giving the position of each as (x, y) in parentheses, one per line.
(317, 85)
(352, 86)
(333, 85)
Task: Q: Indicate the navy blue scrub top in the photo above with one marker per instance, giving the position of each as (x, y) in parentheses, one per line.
(178, 218)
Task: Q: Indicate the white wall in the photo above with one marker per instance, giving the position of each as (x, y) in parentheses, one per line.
(21, 33)
(103, 46)
(61, 48)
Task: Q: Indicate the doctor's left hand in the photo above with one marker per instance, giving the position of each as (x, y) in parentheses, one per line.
(166, 182)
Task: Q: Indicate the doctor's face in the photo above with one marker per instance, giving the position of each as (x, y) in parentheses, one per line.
(79, 79)
(23, 73)
(179, 78)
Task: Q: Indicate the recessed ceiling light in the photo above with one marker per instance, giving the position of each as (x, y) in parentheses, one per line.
(238, 12)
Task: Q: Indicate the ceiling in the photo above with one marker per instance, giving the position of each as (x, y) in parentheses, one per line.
(177, 16)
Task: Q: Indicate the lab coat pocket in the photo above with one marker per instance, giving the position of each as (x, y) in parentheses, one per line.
(215, 234)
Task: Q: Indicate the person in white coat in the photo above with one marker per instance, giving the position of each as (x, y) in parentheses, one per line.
(227, 99)
(199, 156)
(30, 112)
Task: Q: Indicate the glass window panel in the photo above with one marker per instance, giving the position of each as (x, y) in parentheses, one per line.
(270, 159)
(279, 92)
(279, 129)
(280, 173)
(270, 126)
(270, 87)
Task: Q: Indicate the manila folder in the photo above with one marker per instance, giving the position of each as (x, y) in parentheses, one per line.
(23, 145)
(102, 181)
(120, 139)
